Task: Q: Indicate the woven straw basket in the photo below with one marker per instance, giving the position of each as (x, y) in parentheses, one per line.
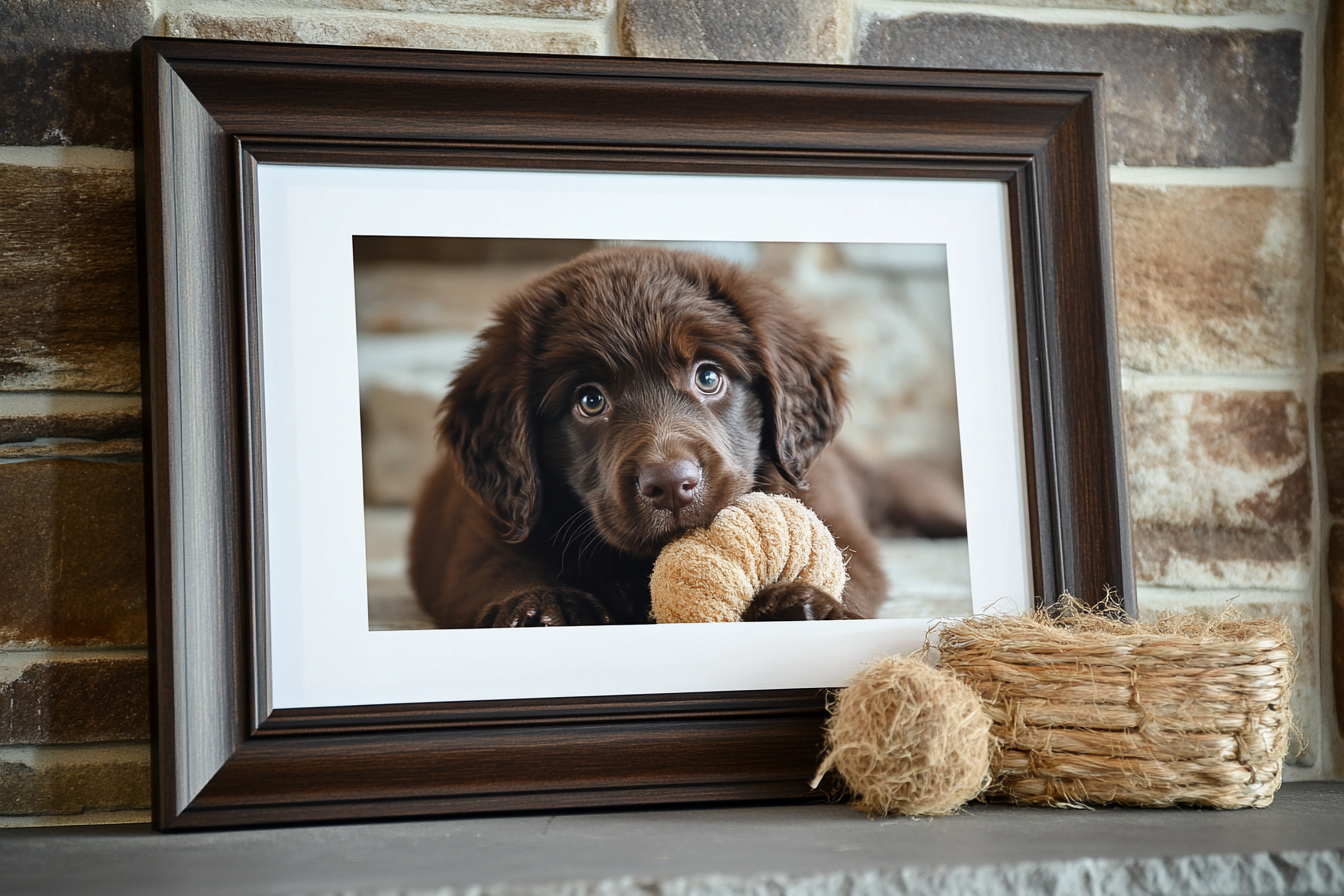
(1191, 710)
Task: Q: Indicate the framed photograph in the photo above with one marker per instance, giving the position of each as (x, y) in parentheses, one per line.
(331, 236)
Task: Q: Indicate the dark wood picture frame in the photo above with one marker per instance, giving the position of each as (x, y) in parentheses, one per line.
(209, 111)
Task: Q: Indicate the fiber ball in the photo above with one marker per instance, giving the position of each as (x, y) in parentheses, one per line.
(908, 739)
(712, 574)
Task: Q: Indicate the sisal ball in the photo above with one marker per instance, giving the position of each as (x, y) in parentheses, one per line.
(712, 574)
(908, 739)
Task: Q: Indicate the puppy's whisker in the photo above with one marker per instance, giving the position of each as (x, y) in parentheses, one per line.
(578, 527)
(561, 531)
(593, 541)
(583, 540)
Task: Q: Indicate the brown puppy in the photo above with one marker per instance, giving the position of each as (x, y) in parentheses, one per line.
(614, 403)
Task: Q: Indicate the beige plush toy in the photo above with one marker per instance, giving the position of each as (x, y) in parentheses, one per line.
(712, 574)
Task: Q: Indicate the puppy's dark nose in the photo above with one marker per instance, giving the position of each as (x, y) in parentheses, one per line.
(670, 486)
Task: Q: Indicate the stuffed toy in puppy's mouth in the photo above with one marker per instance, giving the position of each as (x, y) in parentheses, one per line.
(712, 574)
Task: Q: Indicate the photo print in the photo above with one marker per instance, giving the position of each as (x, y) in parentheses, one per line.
(421, 303)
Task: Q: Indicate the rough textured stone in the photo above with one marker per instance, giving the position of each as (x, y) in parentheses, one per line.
(1178, 7)
(67, 780)
(1332, 438)
(1335, 567)
(762, 30)
(542, 9)
(1332, 87)
(69, 305)
(69, 424)
(25, 416)
(72, 554)
(1220, 488)
(1212, 278)
(51, 699)
(109, 449)
(327, 27)
(1206, 97)
(65, 71)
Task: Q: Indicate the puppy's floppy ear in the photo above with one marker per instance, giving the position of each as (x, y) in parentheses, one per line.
(487, 420)
(801, 368)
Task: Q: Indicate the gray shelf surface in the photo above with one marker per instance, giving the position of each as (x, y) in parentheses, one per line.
(1294, 846)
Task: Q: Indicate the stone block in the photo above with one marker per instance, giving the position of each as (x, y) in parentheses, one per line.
(1175, 7)
(760, 30)
(69, 699)
(128, 449)
(1335, 612)
(1332, 88)
(70, 780)
(1220, 488)
(1332, 438)
(373, 30)
(25, 416)
(72, 554)
(65, 71)
(69, 424)
(399, 443)
(1205, 97)
(69, 299)
(1212, 278)
(541, 9)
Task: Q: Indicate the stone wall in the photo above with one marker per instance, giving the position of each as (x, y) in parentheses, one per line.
(1215, 139)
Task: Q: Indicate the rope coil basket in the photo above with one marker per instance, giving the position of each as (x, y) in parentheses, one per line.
(1190, 710)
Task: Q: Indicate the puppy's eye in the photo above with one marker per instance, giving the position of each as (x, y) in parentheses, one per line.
(708, 379)
(590, 401)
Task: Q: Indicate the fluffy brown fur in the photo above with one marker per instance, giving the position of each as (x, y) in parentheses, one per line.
(613, 403)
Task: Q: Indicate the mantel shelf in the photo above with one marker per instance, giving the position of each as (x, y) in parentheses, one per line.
(1294, 846)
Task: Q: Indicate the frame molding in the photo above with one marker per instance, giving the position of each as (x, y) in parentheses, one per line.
(208, 111)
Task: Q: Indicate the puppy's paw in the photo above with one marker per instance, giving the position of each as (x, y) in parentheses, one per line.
(792, 601)
(544, 606)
